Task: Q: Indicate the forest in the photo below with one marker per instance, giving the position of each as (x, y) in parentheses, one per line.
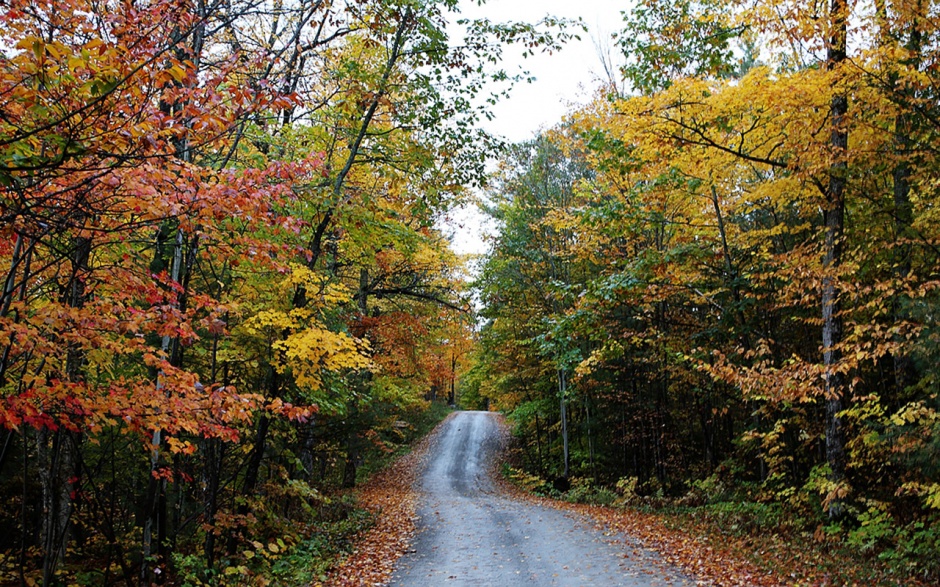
(227, 293)
(716, 285)
(224, 287)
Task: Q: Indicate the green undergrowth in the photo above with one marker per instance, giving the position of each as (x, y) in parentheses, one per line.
(300, 560)
(300, 551)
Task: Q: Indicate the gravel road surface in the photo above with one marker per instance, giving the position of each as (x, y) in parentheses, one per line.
(470, 533)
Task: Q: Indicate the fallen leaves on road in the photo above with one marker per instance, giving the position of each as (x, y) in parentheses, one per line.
(706, 564)
(392, 497)
(693, 554)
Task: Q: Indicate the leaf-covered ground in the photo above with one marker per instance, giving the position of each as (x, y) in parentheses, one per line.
(702, 549)
(709, 564)
(391, 496)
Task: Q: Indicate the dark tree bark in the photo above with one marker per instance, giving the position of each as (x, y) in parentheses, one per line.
(56, 449)
(905, 373)
(832, 329)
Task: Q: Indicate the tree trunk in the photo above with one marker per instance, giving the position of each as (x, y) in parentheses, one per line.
(590, 435)
(905, 373)
(253, 471)
(153, 551)
(352, 459)
(55, 464)
(563, 412)
(538, 442)
(57, 454)
(832, 328)
(212, 473)
(363, 380)
(452, 398)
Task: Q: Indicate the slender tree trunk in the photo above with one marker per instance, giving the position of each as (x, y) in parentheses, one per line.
(352, 457)
(452, 399)
(308, 444)
(153, 551)
(212, 471)
(363, 380)
(905, 373)
(323, 461)
(156, 498)
(23, 503)
(9, 288)
(6, 449)
(54, 462)
(24, 258)
(538, 441)
(590, 435)
(563, 411)
(56, 449)
(253, 470)
(832, 328)
(623, 434)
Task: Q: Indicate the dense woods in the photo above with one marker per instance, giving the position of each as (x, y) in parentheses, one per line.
(223, 285)
(716, 285)
(226, 294)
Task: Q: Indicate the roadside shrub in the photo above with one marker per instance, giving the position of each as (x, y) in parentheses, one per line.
(744, 517)
(626, 488)
(584, 490)
(276, 561)
(527, 481)
(911, 549)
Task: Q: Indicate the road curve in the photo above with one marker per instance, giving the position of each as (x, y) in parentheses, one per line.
(472, 534)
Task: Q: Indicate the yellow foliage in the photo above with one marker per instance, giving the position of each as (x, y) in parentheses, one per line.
(312, 350)
(320, 289)
(913, 413)
(269, 319)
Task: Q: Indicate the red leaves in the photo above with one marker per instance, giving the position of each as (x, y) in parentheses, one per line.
(290, 411)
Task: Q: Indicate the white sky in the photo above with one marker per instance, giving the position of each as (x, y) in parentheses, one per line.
(564, 80)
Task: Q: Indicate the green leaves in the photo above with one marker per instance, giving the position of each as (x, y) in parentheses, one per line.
(665, 41)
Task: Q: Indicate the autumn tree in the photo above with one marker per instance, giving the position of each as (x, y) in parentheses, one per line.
(204, 206)
(755, 242)
(532, 272)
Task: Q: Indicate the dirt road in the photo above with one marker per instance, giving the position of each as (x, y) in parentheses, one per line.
(472, 534)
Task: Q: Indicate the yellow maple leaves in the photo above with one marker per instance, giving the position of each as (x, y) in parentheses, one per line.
(322, 292)
(302, 343)
(313, 350)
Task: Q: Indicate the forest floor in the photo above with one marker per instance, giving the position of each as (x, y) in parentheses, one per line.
(703, 547)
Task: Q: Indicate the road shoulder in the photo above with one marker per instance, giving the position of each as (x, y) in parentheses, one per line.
(392, 497)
